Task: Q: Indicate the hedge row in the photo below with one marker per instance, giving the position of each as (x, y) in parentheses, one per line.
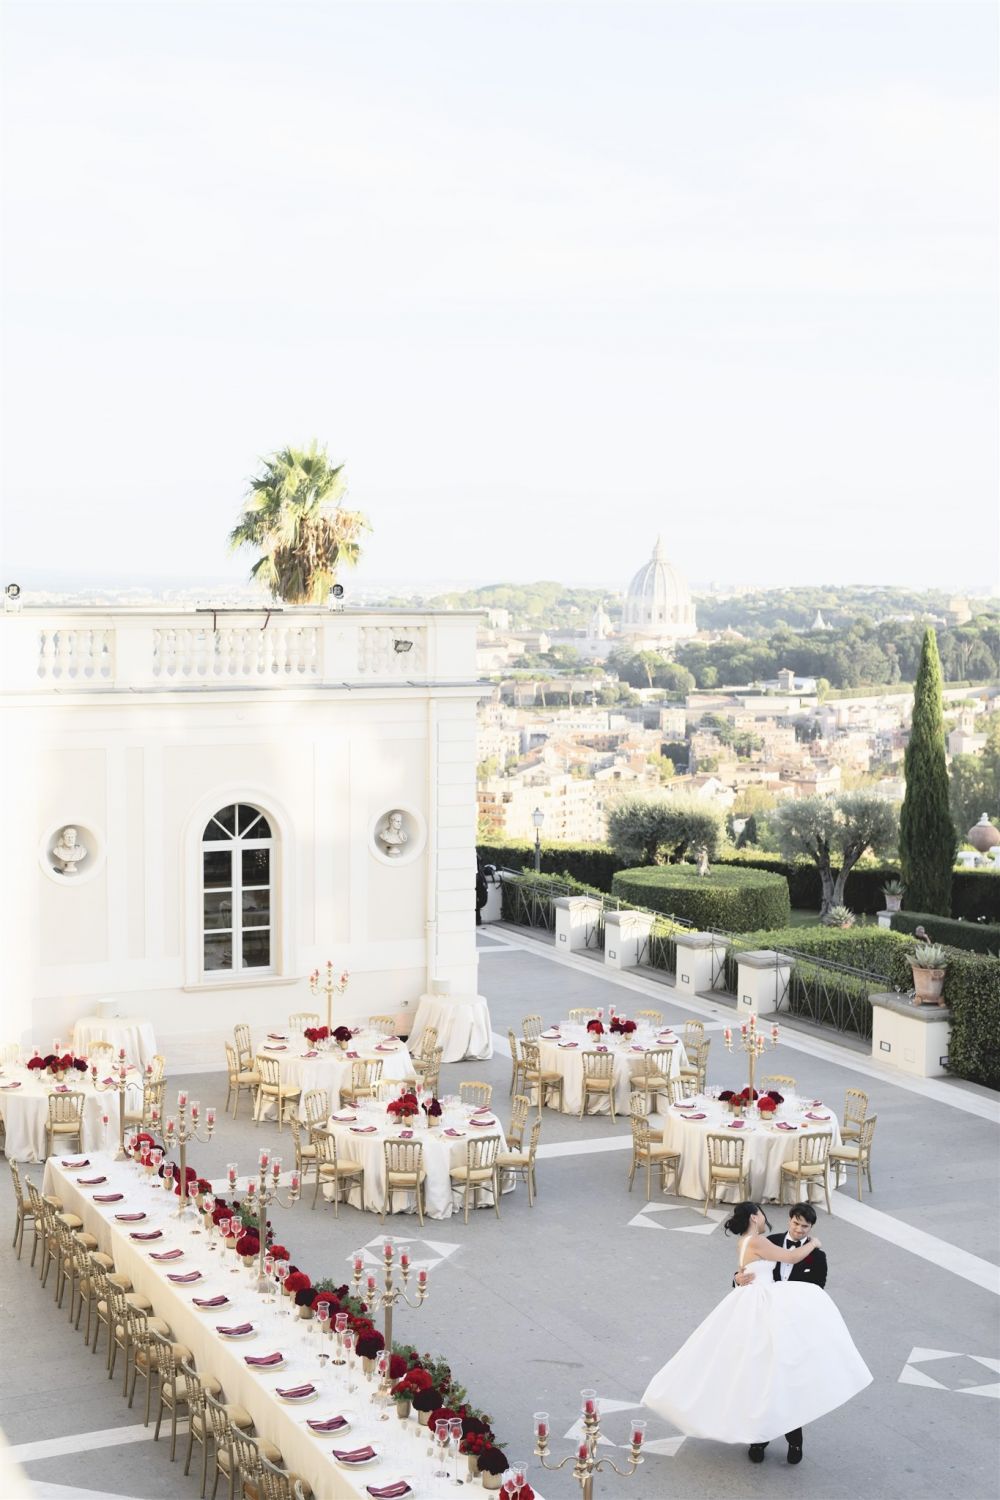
(873, 949)
(735, 900)
(972, 990)
(594, 864)
(974, 937)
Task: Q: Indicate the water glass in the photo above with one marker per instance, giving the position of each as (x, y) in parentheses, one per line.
(455, 1430)
(340, 1328)
(442, 1439)
(281, 1276)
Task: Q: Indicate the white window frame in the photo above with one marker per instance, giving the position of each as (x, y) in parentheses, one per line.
(234, 845)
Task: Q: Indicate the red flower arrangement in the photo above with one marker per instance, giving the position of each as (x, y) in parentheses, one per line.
(413, 1383)
(595, 1027)
(342, 1033)
(492, 1460)
(622, 1025)
(53, 1064)
(369, 1343)
(398, 1366)
(248, 1244)
(406, 1104)
(297, 1281)
(442, 1414)
(766, 1104)
(746, 1096)
(773, 1094)
(432, 1108)
(726, 1095)
(280, 1253)
(204, 1186)
(316, 1033)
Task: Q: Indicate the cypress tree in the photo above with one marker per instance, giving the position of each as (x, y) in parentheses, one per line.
(926, 831)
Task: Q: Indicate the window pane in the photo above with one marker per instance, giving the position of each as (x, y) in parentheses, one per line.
(256, 949)
(261, 830)
(226, 820)
(219, 951)
(256, 908)
(256, 866)
(218, 868)
(247, 816)
(218, 910)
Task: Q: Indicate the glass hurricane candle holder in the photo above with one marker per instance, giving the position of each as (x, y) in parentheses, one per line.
(586, 1464)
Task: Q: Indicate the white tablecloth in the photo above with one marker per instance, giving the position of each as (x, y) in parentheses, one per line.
(25, 1111)
(766, 1146)
(441, 1153)
(332, 1070)
(402, 1450)
(561, 1056)
(463, 1026)
(135, 1035)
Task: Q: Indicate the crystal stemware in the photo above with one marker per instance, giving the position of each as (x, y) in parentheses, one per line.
(442, 1440)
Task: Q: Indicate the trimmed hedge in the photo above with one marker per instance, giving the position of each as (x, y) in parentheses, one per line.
(735, 900)
(972, 990)
(594, 864)
(870, 948)
(974, 937)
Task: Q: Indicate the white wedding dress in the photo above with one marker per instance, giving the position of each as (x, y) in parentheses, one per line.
(771, 1357)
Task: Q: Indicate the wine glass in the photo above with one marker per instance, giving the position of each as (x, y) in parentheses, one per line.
(348, 1342)
(155, 1158)
(382, 1389)
(223, 1236)
(442, 1439)
(322, 1318)
(340, 1327)
(269, 1273)
(281, 1276)
(455, 1430)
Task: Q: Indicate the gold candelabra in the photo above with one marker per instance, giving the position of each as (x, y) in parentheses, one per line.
(178, 1130)
(386, 1296)
(329, 989)
(752, 1041)
(585, 1461)
(262, 1193)
(116, 1085)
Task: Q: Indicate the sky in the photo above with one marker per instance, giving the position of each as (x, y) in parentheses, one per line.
(549, 278)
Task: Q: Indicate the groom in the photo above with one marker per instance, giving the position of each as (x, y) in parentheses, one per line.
(801, 1218)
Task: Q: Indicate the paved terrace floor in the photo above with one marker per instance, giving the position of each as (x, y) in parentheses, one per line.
(587, 1289)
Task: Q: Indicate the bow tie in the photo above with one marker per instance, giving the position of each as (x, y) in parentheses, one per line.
(791, 1244)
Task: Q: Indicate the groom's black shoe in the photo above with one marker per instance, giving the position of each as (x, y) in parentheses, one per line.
(795, 1453)
(757, 1450)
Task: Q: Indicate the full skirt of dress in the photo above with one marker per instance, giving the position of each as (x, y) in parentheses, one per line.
(769, 1358)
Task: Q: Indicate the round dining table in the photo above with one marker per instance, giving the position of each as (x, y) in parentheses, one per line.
(561, 1051)
(768, 1143)
(24, 1109)
(360, 1135)
(463, 1026)
(131, 1032)
(303, 1066)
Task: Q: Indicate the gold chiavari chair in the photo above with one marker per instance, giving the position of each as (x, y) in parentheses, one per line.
(424, 1054)
(431, 1077)
(100, 1050)
(247, 1455)
(213, 1422)
(365, 1074)
(300, 1019)
(10, 1054)
(23, 1211)
(404, 1173)
(38, 1215)
(655, 1016)
(224, 1458)
(481, 1170)
(637, 1105)
(145, 1354)
(582, 1014)
(244, 1046)
(271, 1087)
(531, 1028)
(648, 1153)
(306, 1151)
(239, 1078)
(386, 1089)
(340, 1171)
(316, 1108)
(152, 1097)
(173, 1388)
(780, 1081)
(385, 1024)
(810, 1165)
(697, 1066)
(598, 1078)
(516, 1063)
(68, 1266)
(726, 1167)
(855, 1110)
(693, 1034)
(157, 1067)
(856, 1153)
(546, 1081)
(109, 1290)
(65, 1121)
(475, 1094)
(519, 1110)
(652, 1077)
(521, 1162)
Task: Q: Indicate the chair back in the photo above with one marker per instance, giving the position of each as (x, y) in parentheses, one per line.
(531, 1052)
(855, 1106)
(598, 1065)
(316, 1106)
(274, 1483)
(531, 1028)
(18, 1188)
(385, 1024)
(269, 1069)
(867, 1130)
(366, 1073)
(725, 1151)
(515, 1051)
(481, 1154)
(232, 1067)
(244, 1046)
(814, 1150)
(640, 1132)
(38, 1204)
(655, 1065)
(66, 1109)
(476, 1093)
(536, 1131)
(158, 1067)
(218, 1421)
(428, 1042)
(95, 1049)
(694, 1032)
(384, 1090)
(194, 1393)
(519, 1111)
(404, 1158)
(162, 1350)
(248, 1461)
(582, 1014)
(432, 1073)
(152, 1096)
(656, 1016)
(300, 1019)
(779, 1081)
(10, 1054)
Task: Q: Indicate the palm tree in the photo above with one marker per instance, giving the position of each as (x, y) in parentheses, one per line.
(294, 515)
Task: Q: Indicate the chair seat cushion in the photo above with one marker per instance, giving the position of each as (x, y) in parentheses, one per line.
(239, 1416)
(53, 1202)
(727, 1174)
(67, 1127)
(405, 1179)
(343, 1168)
(210, 1383)
(472, 1174)
(248, 1076)
(71, 1221)
(88, 1241)
(846, 1153)
(512, 1159)
(181, 1351)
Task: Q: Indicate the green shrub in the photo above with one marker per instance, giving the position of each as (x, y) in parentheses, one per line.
(975, 937)
(975, 895)
(592, 863)
(734, 900)
(972, 991)
(871, 949)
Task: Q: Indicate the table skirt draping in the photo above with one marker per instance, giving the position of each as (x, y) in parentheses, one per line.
(25, 1113)
(463, 1027)
(628, 1059)
(332, 1070)
(766, 1147)
(441, 1154)
(131, 1032)
(283, 1425)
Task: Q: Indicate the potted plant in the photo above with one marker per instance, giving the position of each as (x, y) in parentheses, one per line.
(928, 962)
(839, 916)
(492, 1467)
(893, 891)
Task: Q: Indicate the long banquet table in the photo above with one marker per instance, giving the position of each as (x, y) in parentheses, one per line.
(402, 1447)
(768, 1144)
(561, 1051)
(24, 1109)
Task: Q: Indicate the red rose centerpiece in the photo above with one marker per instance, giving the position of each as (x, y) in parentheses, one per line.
(316, 1033)
(622, 1026)
(342, 1035)
(404, 1109)
(595, 1028)
(432, 1109)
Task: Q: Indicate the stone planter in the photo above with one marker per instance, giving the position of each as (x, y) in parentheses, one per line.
(892, 903)
(928, 985)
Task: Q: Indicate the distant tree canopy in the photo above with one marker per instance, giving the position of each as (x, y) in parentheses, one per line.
(834, 832)
(543, 605)
(765, 610)
(643, 831)
(975, 781)
(650, 669)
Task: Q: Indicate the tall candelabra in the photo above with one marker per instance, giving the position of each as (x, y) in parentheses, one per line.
(261, 1194)
(178, 1130)
(329, 989)
(585, 1461)
(752, 1041)
(115, 1084)
(386, 1296)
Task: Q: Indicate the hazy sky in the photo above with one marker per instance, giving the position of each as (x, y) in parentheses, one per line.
(549, 277)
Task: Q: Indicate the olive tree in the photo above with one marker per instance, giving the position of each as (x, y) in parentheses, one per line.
(647, 831)
(834, 832)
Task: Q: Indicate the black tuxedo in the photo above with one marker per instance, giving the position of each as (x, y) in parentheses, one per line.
(811, 1269)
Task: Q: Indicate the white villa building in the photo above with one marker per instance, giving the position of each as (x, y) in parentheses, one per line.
(229, 775)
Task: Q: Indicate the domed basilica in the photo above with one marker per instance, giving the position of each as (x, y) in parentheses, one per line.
(658, 603)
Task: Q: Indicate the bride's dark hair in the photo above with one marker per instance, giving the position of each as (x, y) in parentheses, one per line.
(739, 1222)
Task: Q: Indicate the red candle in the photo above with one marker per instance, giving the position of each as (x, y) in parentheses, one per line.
(358, 1263)
(404, 1259)
(582, 1453)
(371, 1286)
(422, 1277)
(387, 1250)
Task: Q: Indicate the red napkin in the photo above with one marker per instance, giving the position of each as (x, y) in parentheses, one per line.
(108, 1082)
(147, 1234)
(363, 1129)
(482, 1124)
(75, 1165)
(310, 1054)
(14, 1086)
(108, 1197)
(269, 1048)
(130, 1218)
(344, 1119)
(733, 1124)
(277, 1036)
(263, 1360)
(811, 1116)
(235, 1331)
(456, 1133)
(91, 1181)
(570, 1044)
(784, 1125)
(406, 1135)
(219, 1301)
(184, 1280)
(693, 1117)
(331, 1424)
(353, 1455)
(353, 1054)
(389, 1491)
(166, 1254)
(61, 1088)
(296, 1392)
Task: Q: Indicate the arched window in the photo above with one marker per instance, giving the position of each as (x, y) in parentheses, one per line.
(238, 874)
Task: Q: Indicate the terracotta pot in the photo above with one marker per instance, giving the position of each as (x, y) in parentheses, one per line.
(927, 986)
(402, 1410)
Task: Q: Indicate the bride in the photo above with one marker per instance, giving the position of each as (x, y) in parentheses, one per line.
(772, 1356)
